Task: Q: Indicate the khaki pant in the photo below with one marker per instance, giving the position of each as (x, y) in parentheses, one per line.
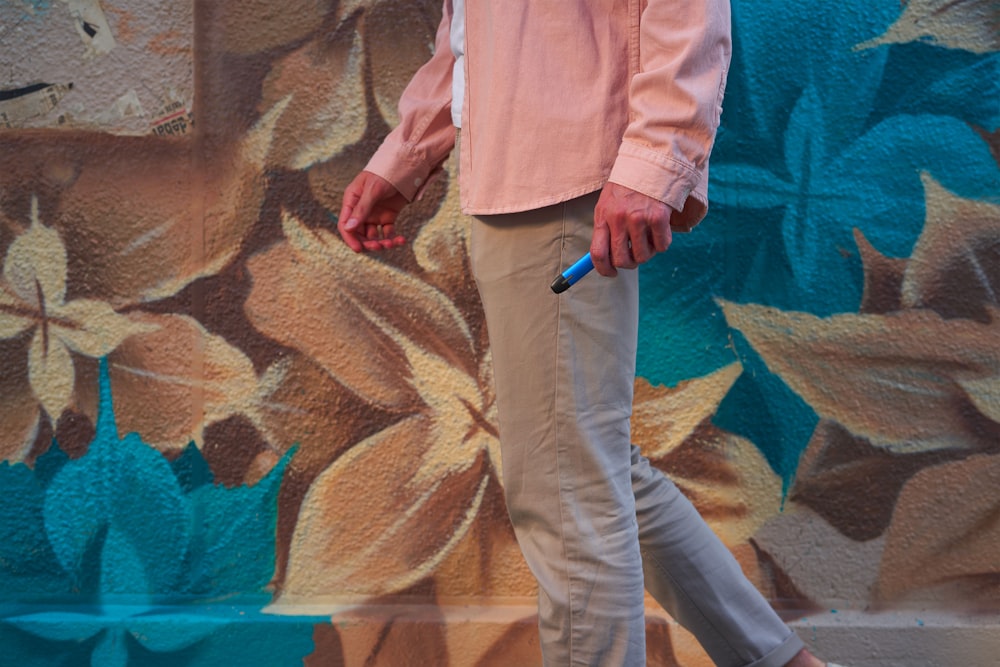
(595, 521)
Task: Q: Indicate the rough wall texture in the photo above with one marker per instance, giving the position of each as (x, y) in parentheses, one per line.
(282, 433)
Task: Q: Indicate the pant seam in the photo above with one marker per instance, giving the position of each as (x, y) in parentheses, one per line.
(556, 420)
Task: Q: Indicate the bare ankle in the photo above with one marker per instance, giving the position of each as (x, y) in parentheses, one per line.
(805, 659)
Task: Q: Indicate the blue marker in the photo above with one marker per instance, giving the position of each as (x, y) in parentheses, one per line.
(563, 281)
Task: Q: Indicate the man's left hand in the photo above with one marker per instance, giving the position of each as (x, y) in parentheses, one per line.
(629, 228)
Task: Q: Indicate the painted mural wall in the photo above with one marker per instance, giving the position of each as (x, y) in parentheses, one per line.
(229, 440)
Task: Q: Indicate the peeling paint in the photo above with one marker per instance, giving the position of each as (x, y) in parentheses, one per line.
(16, 109)
(92, 25)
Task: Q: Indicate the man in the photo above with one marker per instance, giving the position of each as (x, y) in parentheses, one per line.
(585, 125)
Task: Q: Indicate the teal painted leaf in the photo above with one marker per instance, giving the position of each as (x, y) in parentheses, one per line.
(233, 535)
(110, 650)
(120, 527)
(122, 568)
(28, 566)
(59, 625)
(49, 463)
(168, 633)
(128, 488)
(192, 469)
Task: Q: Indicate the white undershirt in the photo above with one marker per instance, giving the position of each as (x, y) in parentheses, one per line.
(458, 49)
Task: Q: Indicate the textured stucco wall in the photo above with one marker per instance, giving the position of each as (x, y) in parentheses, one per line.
(313, 455)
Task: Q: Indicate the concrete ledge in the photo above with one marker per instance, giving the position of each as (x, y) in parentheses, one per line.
(902, 638)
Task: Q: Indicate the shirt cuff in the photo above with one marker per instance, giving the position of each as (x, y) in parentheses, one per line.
(402, 168)
(675, 183)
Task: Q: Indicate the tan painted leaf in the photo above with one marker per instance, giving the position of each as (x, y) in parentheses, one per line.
(328, 326)
(95, 329)
(442, 246)
(883, 278)
(358, 314)
(813, 561)
(955, 266)
(663, 418)
(984, 394)
(182, 219)
(366, 527)
(328, 111)
(946, 529)
(889, 378)
(487, 562)
(971, 25)
(35, 266)
(176, 379)
(252, 26)
(51, 373)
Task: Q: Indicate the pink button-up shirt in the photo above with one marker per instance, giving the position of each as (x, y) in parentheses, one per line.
(562, 96)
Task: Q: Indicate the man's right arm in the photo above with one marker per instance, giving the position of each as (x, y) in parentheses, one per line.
(415, 148)
(425, 134)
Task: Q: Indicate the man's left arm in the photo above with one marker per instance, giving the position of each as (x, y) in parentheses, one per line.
(659, 179)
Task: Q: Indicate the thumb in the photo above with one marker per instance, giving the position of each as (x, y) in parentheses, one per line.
(359, 200)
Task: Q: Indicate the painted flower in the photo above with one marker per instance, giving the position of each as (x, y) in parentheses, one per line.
(33, 298)
(908, 392)
(337, 100)
(119, 556)
(829, 133)
(416, 362)
(84, 283)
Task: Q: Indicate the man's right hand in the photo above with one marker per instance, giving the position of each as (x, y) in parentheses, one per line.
(368, 217)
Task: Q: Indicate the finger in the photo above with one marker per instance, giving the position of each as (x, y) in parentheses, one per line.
(600, 251)
(661, 235)
(642, 249)
(351, 236)
(351, 197)
(621, 252)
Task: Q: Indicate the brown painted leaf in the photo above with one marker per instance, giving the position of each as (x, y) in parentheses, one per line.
(892, 379)
(725, 476)
(946, 530)
(325, 82)
(971, 25)
(171, 383)
(955, 266)
(303, 405)
(727, 479)
(387, 636)
(360, 319)
(375, 523)
(854, 485)
(883, 278)
(19, 413)
(399, 36)
(442, 246)
(145, 220)
(487, 562)
(252, 26)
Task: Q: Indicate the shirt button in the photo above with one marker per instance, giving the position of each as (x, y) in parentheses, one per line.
(418, 182)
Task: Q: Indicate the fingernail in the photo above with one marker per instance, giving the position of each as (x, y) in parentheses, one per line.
(351, 223)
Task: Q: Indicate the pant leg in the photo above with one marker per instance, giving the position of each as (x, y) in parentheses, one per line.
(564, 372)
(696, 579)
(581, 498)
